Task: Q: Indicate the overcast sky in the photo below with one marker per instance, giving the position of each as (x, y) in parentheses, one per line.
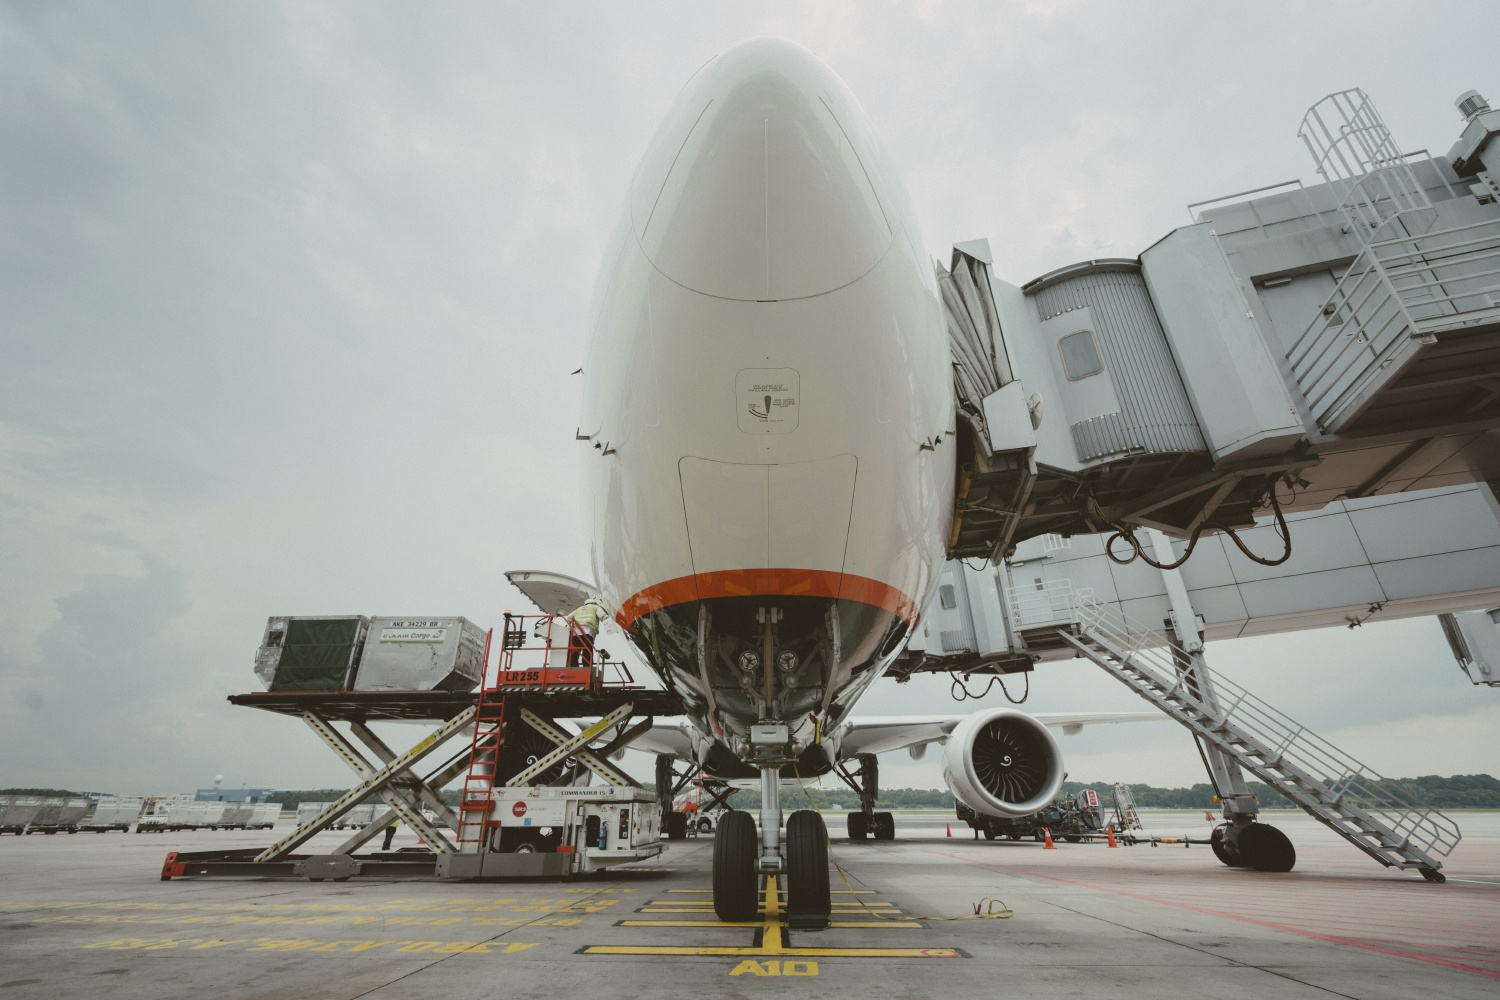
(290, 296)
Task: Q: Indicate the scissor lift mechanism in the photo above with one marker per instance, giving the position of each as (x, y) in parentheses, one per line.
(534, 699)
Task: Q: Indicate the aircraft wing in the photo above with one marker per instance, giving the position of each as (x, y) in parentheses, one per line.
(665, 737)
(882, 734)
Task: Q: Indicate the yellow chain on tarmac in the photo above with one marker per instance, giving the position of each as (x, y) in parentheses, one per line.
(985, 909)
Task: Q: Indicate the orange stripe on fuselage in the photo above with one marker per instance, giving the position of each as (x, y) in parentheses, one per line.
(767, 583)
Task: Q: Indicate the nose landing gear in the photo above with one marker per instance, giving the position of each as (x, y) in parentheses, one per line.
(741, 857)
(737, 881)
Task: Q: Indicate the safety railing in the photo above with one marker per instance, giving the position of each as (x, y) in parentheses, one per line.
(1040, 604)
(1283, 745)
(547, 652)
(1399, 292)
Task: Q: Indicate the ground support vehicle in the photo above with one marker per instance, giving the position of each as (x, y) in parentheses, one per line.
(529, 752)
(561, 831)
(1072, 818)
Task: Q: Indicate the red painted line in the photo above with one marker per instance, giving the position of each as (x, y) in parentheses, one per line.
(1273, 925)
(768, 583)
(1464, 921)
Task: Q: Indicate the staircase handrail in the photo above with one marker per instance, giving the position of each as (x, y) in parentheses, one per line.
(1349, 779)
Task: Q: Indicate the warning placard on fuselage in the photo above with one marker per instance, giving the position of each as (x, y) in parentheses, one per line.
(766, 399)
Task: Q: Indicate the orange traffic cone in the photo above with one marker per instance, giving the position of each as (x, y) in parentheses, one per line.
(1049, 846)
(1111, 831)
(949, 827)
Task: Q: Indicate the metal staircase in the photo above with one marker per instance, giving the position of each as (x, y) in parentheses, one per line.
(1346, 796)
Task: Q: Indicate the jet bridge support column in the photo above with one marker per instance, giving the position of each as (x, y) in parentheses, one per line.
(1240, 807)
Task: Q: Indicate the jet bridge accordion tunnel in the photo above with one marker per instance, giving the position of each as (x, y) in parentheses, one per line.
(1310, 343)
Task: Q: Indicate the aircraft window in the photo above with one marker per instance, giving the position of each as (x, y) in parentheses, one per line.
(945, 594)
(1080, 355)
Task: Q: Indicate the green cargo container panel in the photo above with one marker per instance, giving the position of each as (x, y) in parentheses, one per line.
(322, 632)
(309, 678)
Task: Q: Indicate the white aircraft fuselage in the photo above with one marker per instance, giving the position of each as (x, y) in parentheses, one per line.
(767, 458)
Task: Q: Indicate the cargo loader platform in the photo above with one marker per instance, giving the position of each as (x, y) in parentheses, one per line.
(527, 808)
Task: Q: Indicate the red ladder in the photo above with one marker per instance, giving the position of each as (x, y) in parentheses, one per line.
(484, 753)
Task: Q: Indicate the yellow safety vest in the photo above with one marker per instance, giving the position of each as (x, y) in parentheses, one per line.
(587, 618)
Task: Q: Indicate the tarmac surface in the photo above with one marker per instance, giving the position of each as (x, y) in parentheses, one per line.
(86, 915)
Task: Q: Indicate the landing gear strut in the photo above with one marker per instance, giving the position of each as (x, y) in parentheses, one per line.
(865, 781)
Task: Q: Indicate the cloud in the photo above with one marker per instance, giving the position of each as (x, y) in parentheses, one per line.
(113, 694)
(293, 291)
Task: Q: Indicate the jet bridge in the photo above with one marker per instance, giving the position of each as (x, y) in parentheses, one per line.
(1402, 555)
(1308, 344)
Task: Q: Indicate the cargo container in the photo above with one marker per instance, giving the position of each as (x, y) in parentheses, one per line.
(18, 812)
(114, 813)
(422, 654)
(265, 816)
(305, 653)
(165, 812)
(59, 815)
(236, 816)
(307, 811)
(360, 816)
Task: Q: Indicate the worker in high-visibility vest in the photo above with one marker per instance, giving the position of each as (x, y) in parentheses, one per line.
(581, 651)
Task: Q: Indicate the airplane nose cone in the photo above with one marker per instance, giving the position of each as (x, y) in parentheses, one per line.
(764, 182)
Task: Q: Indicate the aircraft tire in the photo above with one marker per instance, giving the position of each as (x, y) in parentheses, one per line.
(1220, 849)
(676, 826)
(858, 828)
(1266, 849)
(808, 902)
(885, 826)
(736, 888)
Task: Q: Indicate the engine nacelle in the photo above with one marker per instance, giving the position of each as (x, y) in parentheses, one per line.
(1001, 762)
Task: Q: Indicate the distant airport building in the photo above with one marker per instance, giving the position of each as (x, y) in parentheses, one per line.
(232, 794)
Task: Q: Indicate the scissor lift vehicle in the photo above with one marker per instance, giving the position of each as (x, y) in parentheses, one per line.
(526, 806)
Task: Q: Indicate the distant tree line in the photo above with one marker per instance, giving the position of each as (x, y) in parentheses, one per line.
(1459, 791)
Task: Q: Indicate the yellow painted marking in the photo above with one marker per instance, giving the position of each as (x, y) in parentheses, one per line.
(773, 937)
(689, 923)
(872, 924)
(774, 968)
(284, 944)
(855, 892)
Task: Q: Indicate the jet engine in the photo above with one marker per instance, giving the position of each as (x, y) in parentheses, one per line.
(1001, 762)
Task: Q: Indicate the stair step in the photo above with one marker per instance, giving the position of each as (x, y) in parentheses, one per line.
(1145, 672)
